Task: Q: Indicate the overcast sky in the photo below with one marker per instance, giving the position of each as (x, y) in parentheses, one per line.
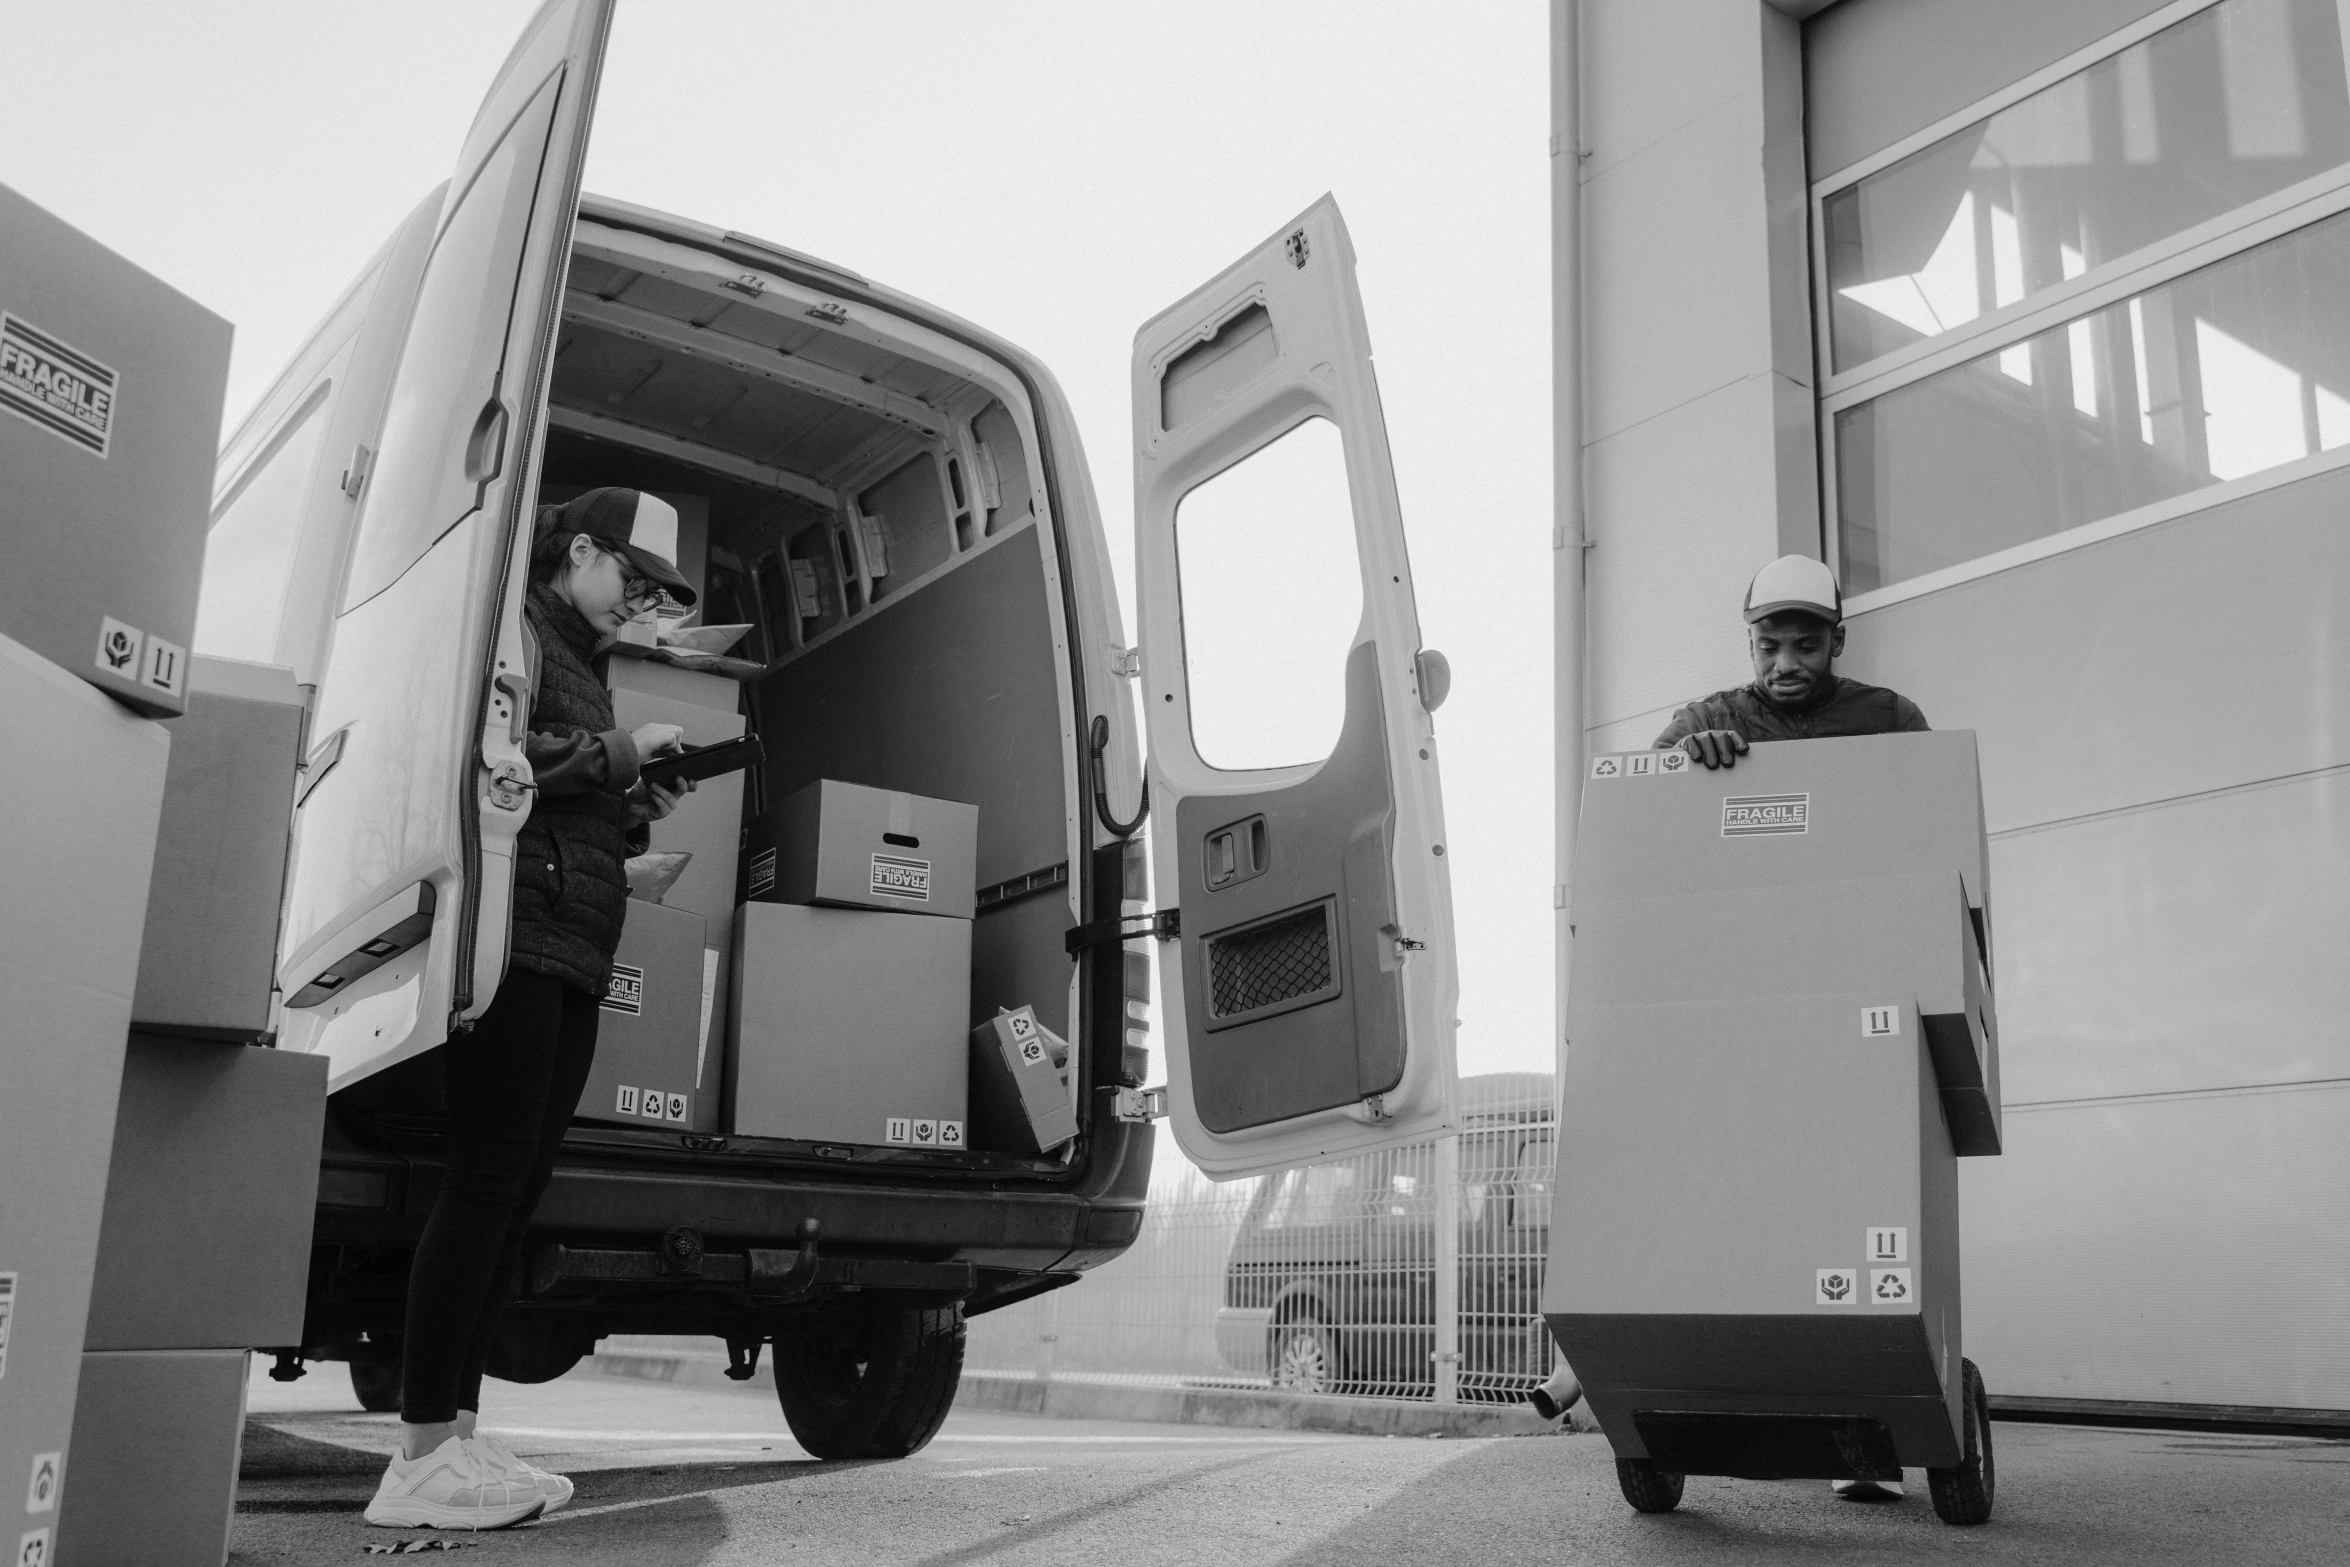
(1057, 172)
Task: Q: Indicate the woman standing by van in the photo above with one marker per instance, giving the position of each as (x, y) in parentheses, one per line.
(514, 1082)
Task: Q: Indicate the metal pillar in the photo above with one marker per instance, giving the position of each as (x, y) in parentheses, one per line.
(1447, 1261)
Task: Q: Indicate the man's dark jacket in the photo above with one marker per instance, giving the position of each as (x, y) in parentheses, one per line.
(570, 860)
(1839, 707)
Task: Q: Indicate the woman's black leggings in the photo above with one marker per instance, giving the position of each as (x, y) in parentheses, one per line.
(513, 1084)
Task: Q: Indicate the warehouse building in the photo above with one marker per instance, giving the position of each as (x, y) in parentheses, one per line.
(2032, 317)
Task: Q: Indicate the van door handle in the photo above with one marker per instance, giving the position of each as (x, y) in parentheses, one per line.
(485, 448)
(515, 688)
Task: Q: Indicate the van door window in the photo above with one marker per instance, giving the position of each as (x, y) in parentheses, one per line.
(1272, 595)
(249, 555)
(1316, 1195)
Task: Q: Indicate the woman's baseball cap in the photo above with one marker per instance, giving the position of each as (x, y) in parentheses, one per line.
(1795, 585)
(639, 527)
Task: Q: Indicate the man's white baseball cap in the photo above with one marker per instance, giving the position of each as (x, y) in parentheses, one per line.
(1795, 584)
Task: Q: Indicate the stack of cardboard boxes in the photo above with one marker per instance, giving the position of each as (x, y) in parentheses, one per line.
(159, 1168)
(852, 970)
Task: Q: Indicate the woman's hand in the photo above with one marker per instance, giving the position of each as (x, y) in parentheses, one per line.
(658, 802)
(657, 740)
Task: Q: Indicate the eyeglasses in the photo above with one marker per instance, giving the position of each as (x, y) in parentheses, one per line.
(640, 593)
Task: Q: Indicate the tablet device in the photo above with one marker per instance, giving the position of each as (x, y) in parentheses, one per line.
(706, 761)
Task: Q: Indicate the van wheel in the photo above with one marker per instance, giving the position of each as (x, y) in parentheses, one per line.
(375, 1378)
(1303, 1357)
(1648, 1488)
(874, 1384)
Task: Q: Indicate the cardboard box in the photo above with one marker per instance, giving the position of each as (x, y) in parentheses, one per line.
(76, 850)
(110, 393)
(708, 823)
(209, 959)
(854, 847)
(1789, 1108)
(209, 1194)
(152, 1475)
(1019, 1086)
(658, 1014)
(849, 1026)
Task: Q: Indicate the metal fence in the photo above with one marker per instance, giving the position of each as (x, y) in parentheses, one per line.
(1413, 1273)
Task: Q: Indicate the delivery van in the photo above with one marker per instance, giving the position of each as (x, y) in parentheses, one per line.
(893, 504)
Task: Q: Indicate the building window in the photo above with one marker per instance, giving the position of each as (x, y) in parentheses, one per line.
(2111, 292)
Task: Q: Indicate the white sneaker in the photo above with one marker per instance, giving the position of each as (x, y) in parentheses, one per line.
(1867, 1490)
(451, 1487)
(503, 1461)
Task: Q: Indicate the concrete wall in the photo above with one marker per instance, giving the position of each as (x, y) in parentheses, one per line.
(1699, 447)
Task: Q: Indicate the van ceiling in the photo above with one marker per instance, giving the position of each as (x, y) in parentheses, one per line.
(620, 359)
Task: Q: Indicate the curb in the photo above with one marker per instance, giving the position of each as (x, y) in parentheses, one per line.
(1240, 1407)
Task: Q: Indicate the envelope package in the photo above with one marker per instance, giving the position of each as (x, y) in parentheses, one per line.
(849, 1026)
(853, 847)
(660, 1011)
(209, 957)
(708, 822)
(110, 397)
(1019, 1086)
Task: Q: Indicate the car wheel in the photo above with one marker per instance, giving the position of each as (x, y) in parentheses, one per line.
(376, 1380)
(875, 1383)
(1304, 1357)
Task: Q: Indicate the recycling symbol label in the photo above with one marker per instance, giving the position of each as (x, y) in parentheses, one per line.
(1890, 1286)
(1607, 767)
(1836, 1287)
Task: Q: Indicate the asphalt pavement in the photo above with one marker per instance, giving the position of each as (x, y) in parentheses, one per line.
(670, 1476)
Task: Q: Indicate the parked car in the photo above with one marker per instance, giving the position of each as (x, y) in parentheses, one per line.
(897, 506)
(1331, 1286)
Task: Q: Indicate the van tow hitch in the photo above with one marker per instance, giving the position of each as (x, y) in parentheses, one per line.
(784, 1275)
(742, 1358)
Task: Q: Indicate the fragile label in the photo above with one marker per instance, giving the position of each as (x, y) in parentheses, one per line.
(1889, 1286)
(925, 1133)
(1880, 1022)
(762, 871)
(1888, 1243)
(1836, 1287)
(1765, 815)
(40, 1494)
(1675, 760)
(625, 990)
(57, 387)
(673, 1107)
(895, 876)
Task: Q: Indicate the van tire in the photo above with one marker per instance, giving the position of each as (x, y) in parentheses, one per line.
(375, 1379)
(875, 1384)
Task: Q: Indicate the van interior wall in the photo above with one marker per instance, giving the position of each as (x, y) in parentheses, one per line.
(947, 688)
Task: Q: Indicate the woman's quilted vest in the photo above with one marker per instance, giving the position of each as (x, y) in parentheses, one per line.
(570, 861)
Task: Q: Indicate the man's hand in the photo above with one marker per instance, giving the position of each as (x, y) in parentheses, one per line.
(657, 740)
(1715, 747)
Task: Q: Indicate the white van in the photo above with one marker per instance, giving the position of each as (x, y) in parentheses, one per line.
(898, 506)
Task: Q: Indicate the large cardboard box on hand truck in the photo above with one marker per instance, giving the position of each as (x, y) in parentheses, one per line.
(1780, 1037)
(77, 840)
(110, 394)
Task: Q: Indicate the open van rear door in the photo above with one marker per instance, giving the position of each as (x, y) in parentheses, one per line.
(397, 904)
(1309, 990)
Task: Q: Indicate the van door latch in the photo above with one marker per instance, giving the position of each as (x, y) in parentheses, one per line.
(510, 786)
(1163, 924)
(1139, 1104)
